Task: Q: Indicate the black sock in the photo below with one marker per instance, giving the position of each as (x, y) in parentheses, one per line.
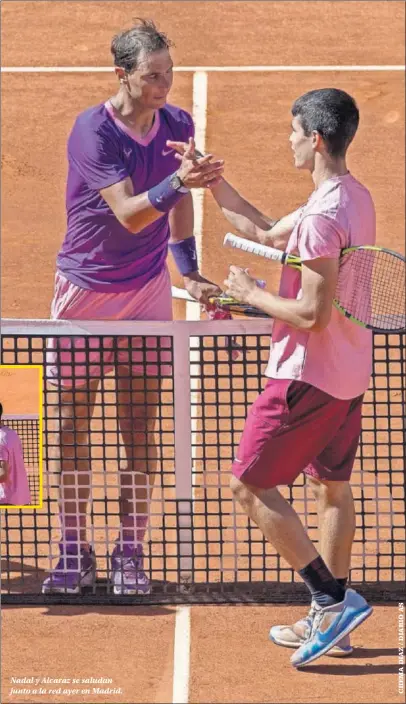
(343, 581)
(325, 590)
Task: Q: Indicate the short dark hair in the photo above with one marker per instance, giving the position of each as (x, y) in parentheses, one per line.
(330, 112)
(143, 37)
(1, 410)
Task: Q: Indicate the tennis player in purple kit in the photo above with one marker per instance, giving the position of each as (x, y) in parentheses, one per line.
(128, 198)
(308, 418)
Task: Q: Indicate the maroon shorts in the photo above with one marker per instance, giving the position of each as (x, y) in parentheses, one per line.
(293, 427)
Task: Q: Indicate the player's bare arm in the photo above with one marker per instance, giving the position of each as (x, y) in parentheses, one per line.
(135, 212)
(181, 222)
(311, 312)
(248, 220)
(242, 215)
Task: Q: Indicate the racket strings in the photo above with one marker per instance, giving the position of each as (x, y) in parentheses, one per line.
(371, 288)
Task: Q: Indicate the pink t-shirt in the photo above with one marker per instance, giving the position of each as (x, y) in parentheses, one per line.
(16, 489)
(338, 359)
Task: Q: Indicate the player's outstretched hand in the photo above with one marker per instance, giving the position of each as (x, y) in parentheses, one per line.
(196, 170)
(182, 147)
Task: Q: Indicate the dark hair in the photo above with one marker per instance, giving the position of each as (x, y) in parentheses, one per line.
(330, 112)
(144, 37)
(1, 410)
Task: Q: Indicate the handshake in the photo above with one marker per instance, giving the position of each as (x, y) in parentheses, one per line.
(196, 170)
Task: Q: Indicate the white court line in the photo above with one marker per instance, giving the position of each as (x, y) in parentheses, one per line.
(181, 665)
(199, 114)
(193, 69)
(181, 670)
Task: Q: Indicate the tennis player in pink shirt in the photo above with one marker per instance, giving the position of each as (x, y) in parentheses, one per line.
(14, 486)
(128, 200)
(308, 418)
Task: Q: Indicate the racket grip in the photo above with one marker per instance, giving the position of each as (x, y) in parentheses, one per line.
(252, 247)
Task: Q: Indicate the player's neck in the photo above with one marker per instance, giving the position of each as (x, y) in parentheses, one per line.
(328, 168)
(138, 119)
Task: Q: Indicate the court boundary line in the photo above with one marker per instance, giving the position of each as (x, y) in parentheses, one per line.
(208, 69)
(182, 635)
(181, 656)
(199, 112)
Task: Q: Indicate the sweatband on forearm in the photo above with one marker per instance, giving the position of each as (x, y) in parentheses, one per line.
(185, 255)
(163, 197)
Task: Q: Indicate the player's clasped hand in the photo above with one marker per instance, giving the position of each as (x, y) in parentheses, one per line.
(200, 288)
(196, 170)
(239, 285)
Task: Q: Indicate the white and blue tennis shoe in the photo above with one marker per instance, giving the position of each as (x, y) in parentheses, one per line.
(329, 626)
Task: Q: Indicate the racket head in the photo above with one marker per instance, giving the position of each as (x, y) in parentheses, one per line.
(371, 288)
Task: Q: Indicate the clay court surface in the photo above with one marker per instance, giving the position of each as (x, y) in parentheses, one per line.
(20, 389)
(248, 119)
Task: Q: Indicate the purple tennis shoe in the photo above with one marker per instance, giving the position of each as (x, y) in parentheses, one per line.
(127, 571)
(72, 572)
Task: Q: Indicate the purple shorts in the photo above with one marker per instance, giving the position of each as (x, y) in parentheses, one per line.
(293, 427)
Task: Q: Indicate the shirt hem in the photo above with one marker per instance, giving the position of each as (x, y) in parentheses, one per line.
(319, 386)
(135, 284)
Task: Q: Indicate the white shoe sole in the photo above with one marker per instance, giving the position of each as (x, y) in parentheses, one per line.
(88, 580)
(335, 652)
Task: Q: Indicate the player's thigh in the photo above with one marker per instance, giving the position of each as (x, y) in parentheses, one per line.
(138, 397)
(75, 406)
(288, 425)
(69, 416)
(334, 464)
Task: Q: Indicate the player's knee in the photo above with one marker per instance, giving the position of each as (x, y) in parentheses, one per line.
(74, 430)
(329, 492)
(315, 486)
(240, 491)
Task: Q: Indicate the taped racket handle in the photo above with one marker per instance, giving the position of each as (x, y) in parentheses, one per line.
(261, 250)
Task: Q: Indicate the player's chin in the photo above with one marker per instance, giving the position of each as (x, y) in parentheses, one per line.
(160, 101)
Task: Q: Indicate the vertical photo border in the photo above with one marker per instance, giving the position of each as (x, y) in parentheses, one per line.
(40, 369)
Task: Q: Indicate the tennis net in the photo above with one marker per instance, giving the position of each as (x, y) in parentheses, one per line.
(199, 546)
(28, 428)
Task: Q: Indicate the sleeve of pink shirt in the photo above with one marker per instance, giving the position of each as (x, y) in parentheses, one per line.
(320, 236)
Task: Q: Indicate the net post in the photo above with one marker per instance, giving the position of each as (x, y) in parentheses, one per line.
(183, 455)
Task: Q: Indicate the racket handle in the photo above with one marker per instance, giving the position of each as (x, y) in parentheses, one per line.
(261, 250)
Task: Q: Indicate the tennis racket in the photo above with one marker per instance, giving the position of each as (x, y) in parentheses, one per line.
(234, 307)
(223, 302)
(370, 287)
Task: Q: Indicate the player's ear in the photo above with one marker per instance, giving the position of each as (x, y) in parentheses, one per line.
(120, 73)
(317, 140)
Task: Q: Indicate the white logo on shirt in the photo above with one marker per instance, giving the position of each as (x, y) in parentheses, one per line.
(127, 153)
(165, 152)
